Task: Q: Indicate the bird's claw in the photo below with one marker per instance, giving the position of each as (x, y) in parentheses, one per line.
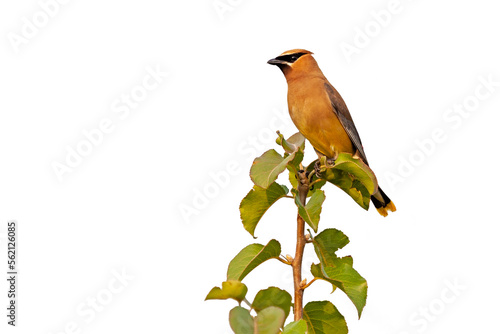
(322, 164)
(317, 169)
(331, 162)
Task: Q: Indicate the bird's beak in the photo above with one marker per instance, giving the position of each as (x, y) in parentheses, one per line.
(275, 61)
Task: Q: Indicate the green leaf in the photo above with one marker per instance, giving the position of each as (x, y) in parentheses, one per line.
(339, 178)
(272, 297)
(295, 143)
(296, 327)
(311, 212)
(298, 142)
(294, 164)
(318, 273)
(241, 321)
(347, 279)
(327, 243)
(257, 202)
(216, 293)
(230, 289)
(339, 271)
(324, 318)
(292, 177)
(250, 257)
(266, 168)
(353, 176)
(358, 169)
(269, 320)
(347, 260)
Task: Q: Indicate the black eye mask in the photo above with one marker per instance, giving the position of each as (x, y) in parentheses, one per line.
(291, 58)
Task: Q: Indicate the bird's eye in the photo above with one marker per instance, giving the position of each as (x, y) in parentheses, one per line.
(290, 58)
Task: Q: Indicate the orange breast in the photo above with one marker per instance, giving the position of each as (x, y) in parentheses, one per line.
(312, 113)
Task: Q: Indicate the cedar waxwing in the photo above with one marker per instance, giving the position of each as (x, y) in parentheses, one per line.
(321, 115)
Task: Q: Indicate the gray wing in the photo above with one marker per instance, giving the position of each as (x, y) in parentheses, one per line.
(340, 109)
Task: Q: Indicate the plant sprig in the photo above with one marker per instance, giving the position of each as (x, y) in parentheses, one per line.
(272, 305)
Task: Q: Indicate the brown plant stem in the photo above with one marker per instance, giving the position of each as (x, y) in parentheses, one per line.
(303, 189)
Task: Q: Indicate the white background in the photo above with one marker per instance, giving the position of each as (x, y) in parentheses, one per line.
(120, 208)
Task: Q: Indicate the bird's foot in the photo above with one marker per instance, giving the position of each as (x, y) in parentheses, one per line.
(317, 169)
(330, 162)
(322, 164)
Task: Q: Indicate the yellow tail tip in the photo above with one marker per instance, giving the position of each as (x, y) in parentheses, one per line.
(389, 207)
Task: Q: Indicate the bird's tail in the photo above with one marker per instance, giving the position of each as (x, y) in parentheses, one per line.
(382, 203)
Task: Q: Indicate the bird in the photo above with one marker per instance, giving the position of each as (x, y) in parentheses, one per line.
(321, 115)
